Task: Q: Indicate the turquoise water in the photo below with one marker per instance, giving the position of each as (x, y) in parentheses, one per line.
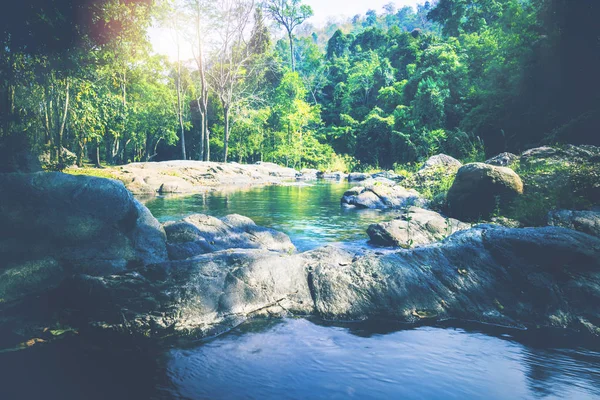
(310, 214)
(307, 358)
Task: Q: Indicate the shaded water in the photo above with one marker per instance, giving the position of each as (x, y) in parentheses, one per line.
(301, 358)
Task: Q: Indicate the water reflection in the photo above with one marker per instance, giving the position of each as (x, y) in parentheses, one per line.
(300, 358)
(311, 215)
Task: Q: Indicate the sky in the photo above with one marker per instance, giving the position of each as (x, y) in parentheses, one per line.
(323, 9)
(162, 39)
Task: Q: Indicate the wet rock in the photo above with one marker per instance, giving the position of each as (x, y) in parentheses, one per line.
(414, 227)
(480, 188)
(200, 234)
(503, 160)
(583, 221)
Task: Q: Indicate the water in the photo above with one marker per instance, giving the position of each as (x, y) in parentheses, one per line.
(302, 358)
(310, 214)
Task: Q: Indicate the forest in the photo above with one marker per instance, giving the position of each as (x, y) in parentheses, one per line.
(79, 81)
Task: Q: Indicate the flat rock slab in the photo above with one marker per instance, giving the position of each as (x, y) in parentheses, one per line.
(197, 176)
(583, 221)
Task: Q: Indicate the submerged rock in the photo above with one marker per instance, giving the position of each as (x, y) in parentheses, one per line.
(200, 234)
(480, 188)
(414, 227)
(583, 221)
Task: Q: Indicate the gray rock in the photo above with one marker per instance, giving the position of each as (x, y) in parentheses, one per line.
(525, 278)
(307, 174)
(335, 176)
(381, 193)
(389, 175)
(479, 188)
(202, 296)
(564, 154)
(84, 224)
(200, 234)
(441, 161)
(503, 160)
(583, 221)
(414, 227)
(358, 176)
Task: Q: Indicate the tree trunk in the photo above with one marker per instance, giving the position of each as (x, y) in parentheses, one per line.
(291, 37)
(226, 138)
(97, 161)
(62, 125)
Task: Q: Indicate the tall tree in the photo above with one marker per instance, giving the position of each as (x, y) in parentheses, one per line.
(289, 14)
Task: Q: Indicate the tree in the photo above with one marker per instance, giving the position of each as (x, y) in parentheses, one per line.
(289, 14)
(228, 69)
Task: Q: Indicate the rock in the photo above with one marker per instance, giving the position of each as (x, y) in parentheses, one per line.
(200, 234)
(441, 161)
(437, 169)
(358, 176)
(525, 278)
(582, 221)
(198, 176)
(307, 174)
(69, 159)
(335, 176)
(480, 188)
(503, 160)
(377, 194)
(199, 297)
(390, 175)
(59, 225)
(414, 227)
(565, 154)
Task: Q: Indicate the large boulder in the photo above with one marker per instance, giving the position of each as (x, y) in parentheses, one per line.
(381, 193)
(435, 174)
(479, 189)
(199, 297)
(53, 225)
(583, 221)
(200, 234)
(415, 227)
(526, 278)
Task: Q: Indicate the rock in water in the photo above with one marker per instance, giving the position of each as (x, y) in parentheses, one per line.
(200, 234)
(53, 225)
(381, 193)
(479, 188)
(415, 227)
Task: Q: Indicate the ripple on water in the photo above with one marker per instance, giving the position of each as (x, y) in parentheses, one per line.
(297, 359)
